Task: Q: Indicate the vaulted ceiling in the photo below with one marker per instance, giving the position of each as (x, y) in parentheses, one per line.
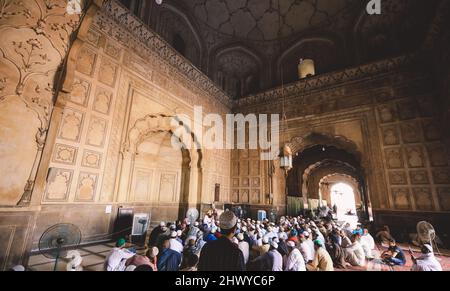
(246, 46)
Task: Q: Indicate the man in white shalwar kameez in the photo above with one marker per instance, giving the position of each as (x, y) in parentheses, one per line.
(426, 262)
(295, 261)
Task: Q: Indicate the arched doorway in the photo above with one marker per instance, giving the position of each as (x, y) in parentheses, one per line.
(157, 174)
(342, 199)
(319, 156)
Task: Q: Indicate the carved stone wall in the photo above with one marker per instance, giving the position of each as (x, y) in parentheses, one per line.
(35, 40)
(117, 76)
(396, 130)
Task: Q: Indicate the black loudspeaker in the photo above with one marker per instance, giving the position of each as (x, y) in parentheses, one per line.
(124, 223)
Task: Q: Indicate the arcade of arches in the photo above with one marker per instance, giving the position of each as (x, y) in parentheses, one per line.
(86, 102)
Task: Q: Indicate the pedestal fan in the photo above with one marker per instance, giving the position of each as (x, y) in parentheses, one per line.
(57, 240)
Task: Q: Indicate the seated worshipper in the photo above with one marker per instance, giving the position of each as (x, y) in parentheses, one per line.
(384, 235)
(426, 262)
(244, 247)
(264, 247)
(162, 228)
(168, 260)
(277, 258)
(152, 254)
(137, 261)
(118, 257)
(368, 244)
(191, 262)
(293, 236)
(306, 249)
(163, 236)
(295, 261)
(175, 244)
(337, 254)
(270, 261)
(348, 229)
(345, 240)
(354, 254)
(222, 254)
(394, 256)
(322, 260)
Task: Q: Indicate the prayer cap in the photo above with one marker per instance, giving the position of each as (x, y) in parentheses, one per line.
(227, 220)
(290, 244)
(318, 242)
(240, 237)
(120, 242)
(274, 244)
(18, 268)
(428, 247)
(153, 252)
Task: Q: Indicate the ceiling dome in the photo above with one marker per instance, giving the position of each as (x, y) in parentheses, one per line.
(259, 19)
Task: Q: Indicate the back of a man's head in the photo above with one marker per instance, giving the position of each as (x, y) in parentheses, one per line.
(227, 223)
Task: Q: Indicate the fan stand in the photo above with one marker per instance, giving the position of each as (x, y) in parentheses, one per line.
(60, 242)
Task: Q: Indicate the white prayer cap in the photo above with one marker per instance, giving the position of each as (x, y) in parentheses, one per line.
(227, 220)
(244, 228)
(306, 234)
(429, 247)
(153, 252)
(162, 223)
(18, 268)
(282, 235)
(173, 234)
(290, 244)
(179, 233)
(196, 223)
(240, 236)
(274, 244)
(265, 240)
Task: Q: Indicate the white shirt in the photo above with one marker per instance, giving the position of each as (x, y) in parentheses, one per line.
(176, 245)
(368, 244)
(277, 261)
(426, 263)
(208, 220)
(307, 252)
(245, 248)
(357, 255)
(295, 261)
(117, 258)
(368, 240)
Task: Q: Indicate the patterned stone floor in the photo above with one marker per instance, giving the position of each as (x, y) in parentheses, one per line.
(94, 257)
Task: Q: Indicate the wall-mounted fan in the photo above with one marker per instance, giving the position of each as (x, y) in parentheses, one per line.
(57, 240)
